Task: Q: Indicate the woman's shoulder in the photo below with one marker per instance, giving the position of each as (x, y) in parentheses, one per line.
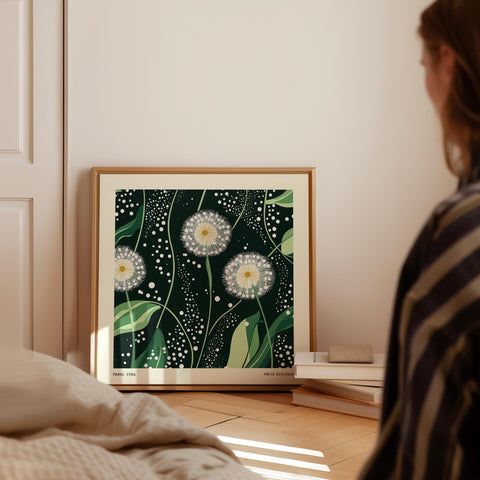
(462, 206)
(455, 221)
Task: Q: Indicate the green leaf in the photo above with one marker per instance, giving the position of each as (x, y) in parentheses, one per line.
(254, 344)
(287, 243)
(130, 228)
(156, 348)
(283, 200)
(135, 318)
(238, 346)
(283, 322)
(243, 341)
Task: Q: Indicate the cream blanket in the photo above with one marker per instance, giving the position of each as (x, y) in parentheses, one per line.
(57, 422)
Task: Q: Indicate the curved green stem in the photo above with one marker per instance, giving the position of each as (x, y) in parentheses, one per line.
(222, 315)
(243, 210)
(173, 256)
(132, 363)
(201, 200)
(274, 250)
(143, 220)
(266, 327)
(266, 229)
(180, 325)
(209, 274)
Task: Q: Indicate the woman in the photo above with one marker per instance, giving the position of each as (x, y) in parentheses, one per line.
(430, 426)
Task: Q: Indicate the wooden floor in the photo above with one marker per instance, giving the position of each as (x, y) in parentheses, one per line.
(280, 440)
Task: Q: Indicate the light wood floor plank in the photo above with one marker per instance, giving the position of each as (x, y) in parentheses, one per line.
(305, 418)
(332, 434)
(249, 411)
(352, 465)
(284, 398)
(345, 441)
(294, 470)
(349, 449)
(249, 429)
(242, 402)
(202, 418)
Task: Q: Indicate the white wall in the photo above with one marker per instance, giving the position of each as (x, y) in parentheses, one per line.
(332, 84)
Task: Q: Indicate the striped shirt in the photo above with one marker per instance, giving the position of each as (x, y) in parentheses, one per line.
(430, 425)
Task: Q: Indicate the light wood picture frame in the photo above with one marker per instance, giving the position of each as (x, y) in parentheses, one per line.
(203, 278)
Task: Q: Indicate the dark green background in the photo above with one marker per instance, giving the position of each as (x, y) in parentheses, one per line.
(191, 296)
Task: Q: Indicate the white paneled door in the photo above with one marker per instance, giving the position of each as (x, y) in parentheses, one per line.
(31, 174)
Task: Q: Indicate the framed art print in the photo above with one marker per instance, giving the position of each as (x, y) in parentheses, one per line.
(202, 278)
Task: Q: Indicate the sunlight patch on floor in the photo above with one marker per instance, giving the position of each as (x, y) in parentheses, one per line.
(281, 461)
(295, 463)
(276, 475)
(271, 446)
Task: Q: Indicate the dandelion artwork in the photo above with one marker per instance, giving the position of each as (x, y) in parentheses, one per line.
(248, 276)
(129, 269)
(203, 279)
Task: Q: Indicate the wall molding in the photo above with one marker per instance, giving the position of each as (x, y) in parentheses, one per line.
(16, 243)
(16, 119)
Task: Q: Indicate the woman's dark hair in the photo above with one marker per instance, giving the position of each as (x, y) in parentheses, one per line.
(456, 23)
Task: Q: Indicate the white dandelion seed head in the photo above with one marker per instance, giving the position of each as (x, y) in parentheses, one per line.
(248, 275)
(206, 233)
(129, 269)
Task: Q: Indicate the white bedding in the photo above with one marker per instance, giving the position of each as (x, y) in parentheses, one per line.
(57, 422)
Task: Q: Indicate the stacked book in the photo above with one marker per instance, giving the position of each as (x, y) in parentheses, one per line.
(344, 387)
